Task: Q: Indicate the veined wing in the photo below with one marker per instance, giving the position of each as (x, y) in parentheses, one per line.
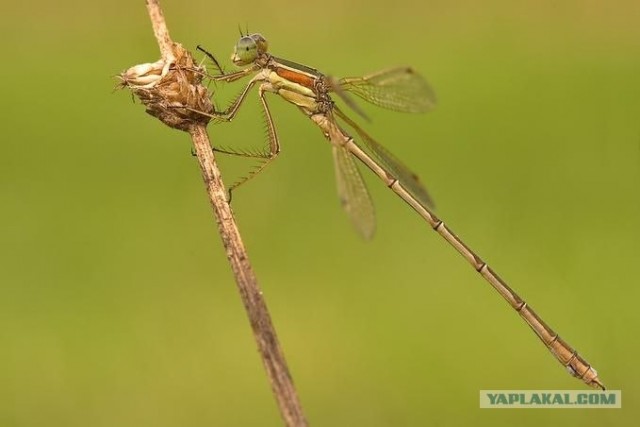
(354, 197)
(390, 163)
(399, 89)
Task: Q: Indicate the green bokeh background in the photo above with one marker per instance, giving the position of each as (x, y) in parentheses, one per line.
(117, 306)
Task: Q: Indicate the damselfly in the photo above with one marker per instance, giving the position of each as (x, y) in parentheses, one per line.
(400, 89)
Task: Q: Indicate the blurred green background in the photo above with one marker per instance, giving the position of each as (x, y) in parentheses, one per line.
(117, 306)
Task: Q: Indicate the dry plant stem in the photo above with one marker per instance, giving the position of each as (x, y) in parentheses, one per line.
(263, 330)
(160, 29)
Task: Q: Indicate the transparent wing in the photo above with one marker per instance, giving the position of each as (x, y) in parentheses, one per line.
(399, 89)
(348, 99)
(390, 163)
(353, 193)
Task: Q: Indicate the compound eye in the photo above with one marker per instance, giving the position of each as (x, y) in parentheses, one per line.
(246, 51)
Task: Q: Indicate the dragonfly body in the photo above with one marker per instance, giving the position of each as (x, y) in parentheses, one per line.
(295, 87)
(399, 89)
(300, 85)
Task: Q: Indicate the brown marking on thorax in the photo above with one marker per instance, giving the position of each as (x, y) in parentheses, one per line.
(296, 77)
